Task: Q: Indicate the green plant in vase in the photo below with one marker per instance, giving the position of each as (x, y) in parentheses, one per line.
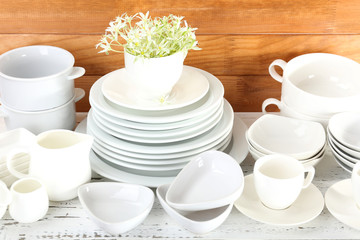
(154, 49)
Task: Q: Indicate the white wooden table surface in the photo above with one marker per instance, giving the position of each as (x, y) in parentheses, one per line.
(67, 220)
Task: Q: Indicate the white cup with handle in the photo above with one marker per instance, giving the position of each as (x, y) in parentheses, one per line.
(42, 75)
(318, 84)
(279, 180)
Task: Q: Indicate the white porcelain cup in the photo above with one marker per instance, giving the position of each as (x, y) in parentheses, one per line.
(319, 83)
(58, 158)
(355, 181)
(157, 76)
(30, 201)
(287, 111)
(279, 180)
(62, 117)
(36, 78)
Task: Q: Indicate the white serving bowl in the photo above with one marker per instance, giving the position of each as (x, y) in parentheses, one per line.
(277, 134)
(198, 222)
(116, 207)
(287, 111)
(329, 80)
(36, 78)
(62, 117)
(213, 179)
(345, 128)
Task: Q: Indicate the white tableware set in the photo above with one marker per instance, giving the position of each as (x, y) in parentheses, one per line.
(343, 138)
(300, 139)
(316, 86)
(148, 142)
(202, 195)
(37, 88)
(50, 166)
(279, 193)
(116, 207)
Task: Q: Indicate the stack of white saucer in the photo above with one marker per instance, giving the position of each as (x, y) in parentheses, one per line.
(149, 142)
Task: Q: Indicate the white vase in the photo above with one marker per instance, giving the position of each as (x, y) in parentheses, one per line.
(157, 75)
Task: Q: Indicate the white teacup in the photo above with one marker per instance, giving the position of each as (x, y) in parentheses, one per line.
(355, 181)
(42, 75)
(319, 84)
(279, 180)
(58, 158)
(30, 201)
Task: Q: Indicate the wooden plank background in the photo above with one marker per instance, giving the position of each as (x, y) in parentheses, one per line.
(239, 38)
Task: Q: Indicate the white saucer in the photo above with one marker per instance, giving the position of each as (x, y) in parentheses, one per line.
(206, 104)
(238, 150)
(308, 206)
(340, 203)
(119, 88)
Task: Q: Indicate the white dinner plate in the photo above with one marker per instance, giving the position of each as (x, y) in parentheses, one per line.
(307, 206)
(176, 134)
(341, 204)
(218, 133)
(237, 149)
(158, 126)
(199, 108)
(119, 88)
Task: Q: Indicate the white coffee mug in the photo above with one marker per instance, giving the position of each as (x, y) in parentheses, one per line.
(355, 181)
(36, 78)
(60, 159)
(30, 201)
(319, 84)
(279, 180)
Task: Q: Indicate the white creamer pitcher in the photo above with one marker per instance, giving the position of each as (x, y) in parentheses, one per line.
(58, 158)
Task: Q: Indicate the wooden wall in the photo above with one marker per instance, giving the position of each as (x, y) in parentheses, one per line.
(239, 38)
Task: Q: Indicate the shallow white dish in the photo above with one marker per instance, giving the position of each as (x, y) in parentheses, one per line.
(308, 206)
(342, 147)
(116, 207)
(345, 128)
(334, 147)
(206, 104)
(156, 137)
(214, 136)
(343, 165)
(277, 134)
(119, 88)
(212, 179)
(237, 149)
(160, 134)
(340, 203)
(198, 222)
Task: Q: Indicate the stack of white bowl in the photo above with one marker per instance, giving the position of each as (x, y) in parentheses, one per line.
(37, 88)
(316, 86)
(273, 134)
(343, 137)
(145, 142)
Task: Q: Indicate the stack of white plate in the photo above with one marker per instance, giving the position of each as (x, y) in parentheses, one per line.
(149, 142)
(343, 137)
(300, 139)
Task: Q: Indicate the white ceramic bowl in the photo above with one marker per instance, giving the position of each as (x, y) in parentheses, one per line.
(42, 75)
(343, 148)
(287, 111)
(330, 81)
(345, 128)
(277, 134)
(62, 117)
(116, 207)
(198, 222)
(212, 179)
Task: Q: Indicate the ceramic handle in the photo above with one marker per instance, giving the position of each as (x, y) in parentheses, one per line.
(271, 101)
(76, 73)
(310, 176)
(79, 94)
(274, 73)
(9, 162)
